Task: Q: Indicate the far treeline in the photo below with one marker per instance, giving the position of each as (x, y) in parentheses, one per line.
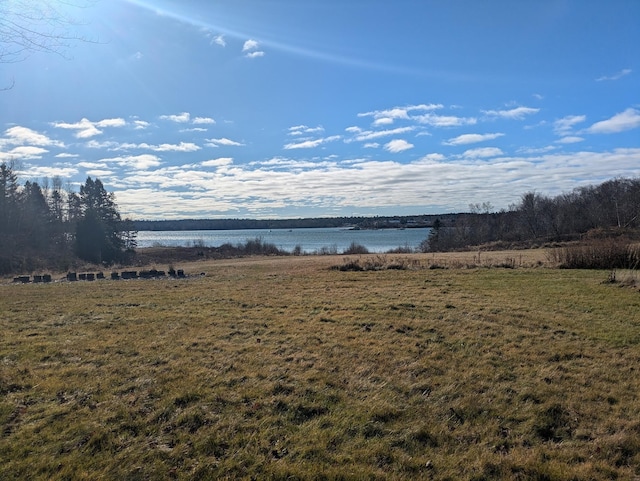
(305, 223)
(48, 227)
(611, 209)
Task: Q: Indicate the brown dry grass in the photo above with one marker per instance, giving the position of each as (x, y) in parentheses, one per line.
(283, 368)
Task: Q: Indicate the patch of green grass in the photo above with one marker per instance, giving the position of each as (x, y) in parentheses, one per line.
(285, 369)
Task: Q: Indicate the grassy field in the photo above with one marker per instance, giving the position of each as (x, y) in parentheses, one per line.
(284, 368)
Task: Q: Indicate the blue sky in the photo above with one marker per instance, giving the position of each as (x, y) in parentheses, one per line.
(289, 108)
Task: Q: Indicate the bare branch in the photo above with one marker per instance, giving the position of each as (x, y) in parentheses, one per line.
(28, 26)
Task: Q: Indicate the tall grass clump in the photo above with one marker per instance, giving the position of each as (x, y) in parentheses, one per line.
(377, 263)
(598, 254)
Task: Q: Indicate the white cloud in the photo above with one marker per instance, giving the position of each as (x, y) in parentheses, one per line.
(433, 158)
(85, 128)
(223, 141)
(615, 76)
(370, 135)
(627, 120)
(203, 121)
(570, 139)
(517, 113)
(397, 145)
(181, 147)
(565, 125)
(536, 150)
(395, 113)
(388, 116)
(23, 135)
(472, 138)
(445, 120)
(115, 146)
(90, 165)
(310, 144)
(179, 118)
(99, 172)
(400, 112)
(250, 45)
(425, 107)
(371, 145)
(140, 124)
(303, 129)
(353, 130)
(66, 155)
(194, 129)
(23, 152)
(109, 145)
(111, 123)
(43, 171)
(483, 152)
(250, 48)
(138, 162)
(383, 121)
(220, 162)
(219, 40)
(293, 165)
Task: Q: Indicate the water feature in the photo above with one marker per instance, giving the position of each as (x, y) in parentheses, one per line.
(312, 240)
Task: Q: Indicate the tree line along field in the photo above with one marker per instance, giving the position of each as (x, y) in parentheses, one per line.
(291, 368)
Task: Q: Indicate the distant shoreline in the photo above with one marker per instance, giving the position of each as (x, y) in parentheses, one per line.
(369, 223)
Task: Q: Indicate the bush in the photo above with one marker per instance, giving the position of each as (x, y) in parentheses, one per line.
(258, 246)
(327, 250)
(356, 248)
(405, 249)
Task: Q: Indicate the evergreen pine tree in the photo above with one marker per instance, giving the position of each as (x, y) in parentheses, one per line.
(98, 232)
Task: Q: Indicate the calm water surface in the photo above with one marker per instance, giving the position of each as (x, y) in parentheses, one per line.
(335, 239)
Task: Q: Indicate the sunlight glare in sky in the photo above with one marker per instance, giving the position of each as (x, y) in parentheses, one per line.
(284, 108)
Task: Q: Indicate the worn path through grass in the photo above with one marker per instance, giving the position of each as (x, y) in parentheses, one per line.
(285, 369)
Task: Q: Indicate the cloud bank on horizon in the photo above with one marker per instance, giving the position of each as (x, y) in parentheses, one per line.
(236, 111)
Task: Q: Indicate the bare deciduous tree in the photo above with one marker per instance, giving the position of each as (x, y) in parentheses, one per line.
(30, 26)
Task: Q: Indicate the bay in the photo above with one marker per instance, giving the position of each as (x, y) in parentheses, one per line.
(310, 240)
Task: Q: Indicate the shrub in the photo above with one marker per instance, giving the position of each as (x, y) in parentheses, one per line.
(599, 254)
(405, 249)
(351, 265)
(258, 246)
(327, 250)
(356, 248)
